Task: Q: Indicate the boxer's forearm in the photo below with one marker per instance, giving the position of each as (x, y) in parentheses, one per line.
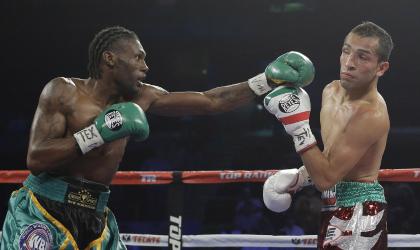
(51, 154)
(319, 168)
(213, 101)
(229, 97)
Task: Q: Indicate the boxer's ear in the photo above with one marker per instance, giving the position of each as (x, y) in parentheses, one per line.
(109, 58)
(382, 68)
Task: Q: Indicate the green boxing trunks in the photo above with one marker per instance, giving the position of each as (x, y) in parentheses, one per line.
(60, 213)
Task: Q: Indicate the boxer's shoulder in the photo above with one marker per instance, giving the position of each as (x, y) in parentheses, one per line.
(60, 86)
(149, 94)
(330, 92)
(153, 89)
(332, 87)
(59, 91)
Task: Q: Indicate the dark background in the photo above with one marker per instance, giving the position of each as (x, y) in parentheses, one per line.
(198, 45)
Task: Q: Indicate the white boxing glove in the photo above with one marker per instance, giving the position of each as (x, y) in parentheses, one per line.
(278, 188)
(292, 107)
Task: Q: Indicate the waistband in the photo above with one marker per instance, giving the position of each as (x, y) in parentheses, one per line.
(350, 193)
(69, 190)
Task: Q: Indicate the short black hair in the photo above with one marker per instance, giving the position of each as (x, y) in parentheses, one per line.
(103, 41)
(370, 29)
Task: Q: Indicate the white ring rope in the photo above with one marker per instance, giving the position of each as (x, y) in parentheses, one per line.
(250, 240)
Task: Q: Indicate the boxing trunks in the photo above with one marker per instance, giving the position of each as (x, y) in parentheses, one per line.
(60, 213)
(354, 216)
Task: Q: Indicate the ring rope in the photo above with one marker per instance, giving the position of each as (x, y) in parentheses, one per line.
(228, 176)
(250, 240)
(209, 177)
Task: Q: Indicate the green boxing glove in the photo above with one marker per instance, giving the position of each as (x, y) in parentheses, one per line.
(292, 67)
(115, 122)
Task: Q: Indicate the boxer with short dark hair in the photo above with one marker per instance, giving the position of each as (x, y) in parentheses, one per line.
(81, 128)
(354, 130)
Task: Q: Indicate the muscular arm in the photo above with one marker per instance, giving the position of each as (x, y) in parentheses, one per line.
(48, 148)
(217, 100)
(364, 129)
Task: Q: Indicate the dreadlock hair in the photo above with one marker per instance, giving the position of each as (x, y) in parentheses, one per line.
(369, 29)
(103, 41)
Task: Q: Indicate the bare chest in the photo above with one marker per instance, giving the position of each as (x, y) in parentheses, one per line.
(334, 119)
(82, 114)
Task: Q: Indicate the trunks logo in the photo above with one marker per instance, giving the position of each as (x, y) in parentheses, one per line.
(329, 197)
(356, 232)
(36, 236)
(333, 236)
(82, 198)
(113, 120)
(289, 103)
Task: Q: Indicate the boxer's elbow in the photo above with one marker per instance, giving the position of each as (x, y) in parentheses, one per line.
(325, 182)
(35, 164)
